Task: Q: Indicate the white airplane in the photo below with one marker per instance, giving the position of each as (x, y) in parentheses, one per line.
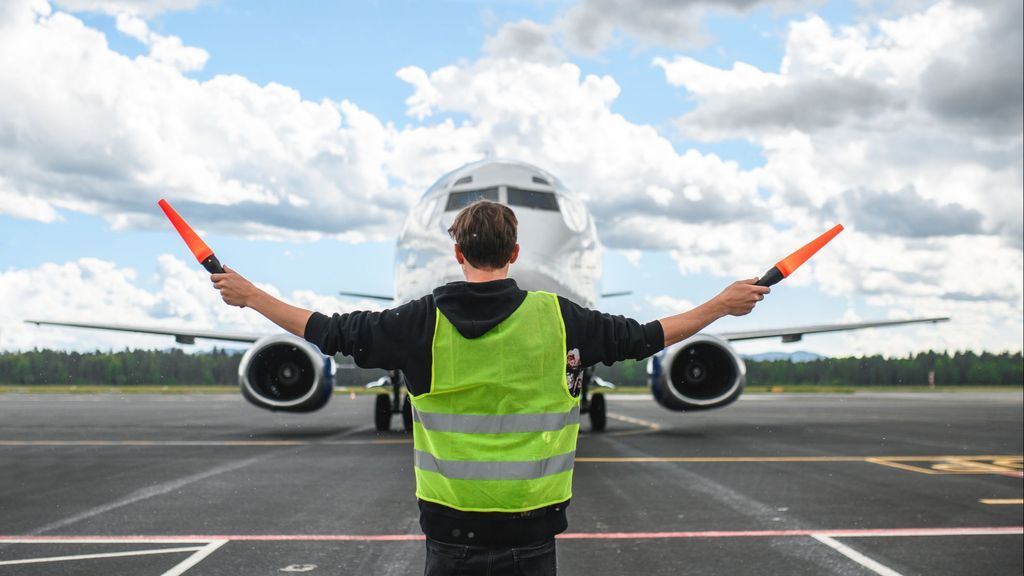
(559, 252)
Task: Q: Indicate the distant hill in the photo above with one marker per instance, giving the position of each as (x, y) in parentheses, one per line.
(799, 356)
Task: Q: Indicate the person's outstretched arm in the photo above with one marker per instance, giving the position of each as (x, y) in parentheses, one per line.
(237, 291)
(737, 299)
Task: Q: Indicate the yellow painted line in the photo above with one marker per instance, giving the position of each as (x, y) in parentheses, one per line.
(647, 427)
(727, 459)
(152, 443)
(907, 467)
(200, 443)
(998, 501)
(872, 459)
(985, 464)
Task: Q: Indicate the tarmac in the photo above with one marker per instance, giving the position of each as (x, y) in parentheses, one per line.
(787, 484)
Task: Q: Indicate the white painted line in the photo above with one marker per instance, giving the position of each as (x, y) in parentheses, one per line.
(104, 555)
(150, 492)
(896, 532)
(857, 557)
(195, 558)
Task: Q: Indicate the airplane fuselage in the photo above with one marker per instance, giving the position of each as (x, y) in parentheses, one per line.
(559, 248)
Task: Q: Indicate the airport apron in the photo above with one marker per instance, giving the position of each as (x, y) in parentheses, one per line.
(497, 431)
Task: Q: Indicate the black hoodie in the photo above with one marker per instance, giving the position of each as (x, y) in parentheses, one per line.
(401, 339)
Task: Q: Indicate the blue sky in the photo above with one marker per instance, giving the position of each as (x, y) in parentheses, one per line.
(778, 122)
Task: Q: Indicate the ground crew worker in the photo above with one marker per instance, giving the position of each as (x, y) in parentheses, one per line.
(494, 376)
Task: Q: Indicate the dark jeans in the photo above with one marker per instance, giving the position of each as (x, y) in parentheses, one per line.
(536, 559)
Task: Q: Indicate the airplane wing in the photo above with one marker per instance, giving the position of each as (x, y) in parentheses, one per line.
(381, 297)
(180, 336)
(797, 333)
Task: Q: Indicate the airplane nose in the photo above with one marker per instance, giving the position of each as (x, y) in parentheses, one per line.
(541, 235)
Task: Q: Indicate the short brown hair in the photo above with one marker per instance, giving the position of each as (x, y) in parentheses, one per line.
(486, 233)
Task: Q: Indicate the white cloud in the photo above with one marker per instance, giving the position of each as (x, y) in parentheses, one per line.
(591, 26)
(850, 130)
(633, 257)
(670, 304)
(111, 134)
(141, 7)
(563, 121)
(166, 49)
(14, 204)
(524, 40)
(92, 290)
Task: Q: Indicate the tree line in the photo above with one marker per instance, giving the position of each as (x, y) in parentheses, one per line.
(957, 369)
(175, 367)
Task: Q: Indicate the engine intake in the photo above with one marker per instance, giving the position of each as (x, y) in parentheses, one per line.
(699, 373)
(285, 373)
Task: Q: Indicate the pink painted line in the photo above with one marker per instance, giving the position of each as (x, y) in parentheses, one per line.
(777, 533)
(853, 533)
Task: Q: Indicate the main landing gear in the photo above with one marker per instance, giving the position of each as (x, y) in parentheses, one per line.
(389, 404)
(593, 404)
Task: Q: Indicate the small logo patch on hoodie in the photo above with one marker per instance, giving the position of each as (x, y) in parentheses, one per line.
(574, 372)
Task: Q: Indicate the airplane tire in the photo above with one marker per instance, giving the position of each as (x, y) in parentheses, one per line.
(598, 413)
(407, 414)
(382, 413)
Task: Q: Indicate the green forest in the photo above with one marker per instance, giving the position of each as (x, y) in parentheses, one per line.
(220, 367)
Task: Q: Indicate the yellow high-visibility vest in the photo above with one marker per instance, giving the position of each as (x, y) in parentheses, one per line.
(497, 431)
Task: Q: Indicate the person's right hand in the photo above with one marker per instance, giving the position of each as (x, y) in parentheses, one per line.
(235, 290)
(739, 298)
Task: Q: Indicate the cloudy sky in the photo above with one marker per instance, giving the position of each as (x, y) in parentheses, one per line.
(709, 138)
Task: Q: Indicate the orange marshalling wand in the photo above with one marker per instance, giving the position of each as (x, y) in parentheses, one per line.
(787, 265)
(202, 252)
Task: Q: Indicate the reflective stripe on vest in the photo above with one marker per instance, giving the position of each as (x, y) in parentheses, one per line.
(496, 424)
(497, 430)
(469, 470)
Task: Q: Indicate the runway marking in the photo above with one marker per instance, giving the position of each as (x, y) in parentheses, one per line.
(104, 555)
(857, 557)
(1003, 465)
(196, 558)
(215, 443)
(835, 533)
(999, 501)
(199, 553)
(647, 426)
(1006, 465)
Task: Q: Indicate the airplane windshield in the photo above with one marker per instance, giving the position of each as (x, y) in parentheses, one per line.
(532, 199)
(459, 200)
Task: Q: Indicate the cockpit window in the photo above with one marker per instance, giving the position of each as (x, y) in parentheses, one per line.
(461, 199)
(532, 199)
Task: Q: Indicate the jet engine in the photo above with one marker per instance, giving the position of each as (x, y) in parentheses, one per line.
(287, 374)
(699, 373)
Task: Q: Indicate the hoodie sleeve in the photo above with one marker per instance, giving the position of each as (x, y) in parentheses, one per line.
(601, 337)
(386, 339)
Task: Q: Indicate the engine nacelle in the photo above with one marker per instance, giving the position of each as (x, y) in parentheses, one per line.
(699, 373)
(285, 373)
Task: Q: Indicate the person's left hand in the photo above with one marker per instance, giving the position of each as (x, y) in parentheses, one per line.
(234, 288)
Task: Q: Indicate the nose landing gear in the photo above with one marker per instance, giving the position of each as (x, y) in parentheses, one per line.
(397, 401)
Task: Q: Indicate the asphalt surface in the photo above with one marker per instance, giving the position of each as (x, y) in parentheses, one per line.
(894, 484)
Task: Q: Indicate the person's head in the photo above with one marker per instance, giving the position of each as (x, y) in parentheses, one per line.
(485, 235)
